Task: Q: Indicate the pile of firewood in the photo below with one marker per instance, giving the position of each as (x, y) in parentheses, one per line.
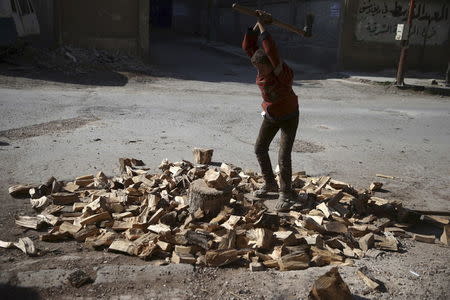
(205, 215)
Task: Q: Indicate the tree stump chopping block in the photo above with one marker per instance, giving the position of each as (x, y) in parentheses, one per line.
(209, 200)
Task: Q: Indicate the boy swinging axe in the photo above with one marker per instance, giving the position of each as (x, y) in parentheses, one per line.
(280, 104)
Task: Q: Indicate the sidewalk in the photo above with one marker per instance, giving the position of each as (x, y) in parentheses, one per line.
(432, 83)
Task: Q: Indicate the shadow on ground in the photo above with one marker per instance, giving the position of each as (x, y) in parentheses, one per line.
(98, 78)
(9, 292)
(172, 55)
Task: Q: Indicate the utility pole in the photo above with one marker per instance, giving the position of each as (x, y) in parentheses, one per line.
(405, 45)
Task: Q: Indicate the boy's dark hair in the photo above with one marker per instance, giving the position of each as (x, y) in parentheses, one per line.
(260, 57)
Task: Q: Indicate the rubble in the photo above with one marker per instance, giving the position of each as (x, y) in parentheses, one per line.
(79, 61)
(203, 215)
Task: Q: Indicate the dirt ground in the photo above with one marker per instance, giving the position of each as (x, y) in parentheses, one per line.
(51, 125)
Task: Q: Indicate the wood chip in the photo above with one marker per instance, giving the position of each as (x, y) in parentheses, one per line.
(385, 176)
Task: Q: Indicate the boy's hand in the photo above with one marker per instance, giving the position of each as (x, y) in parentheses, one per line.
(264, 17)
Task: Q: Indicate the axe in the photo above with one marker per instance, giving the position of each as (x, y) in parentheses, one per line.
(306, 31)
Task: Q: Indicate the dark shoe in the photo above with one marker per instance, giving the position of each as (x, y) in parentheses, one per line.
(266, 188)
(285, 201)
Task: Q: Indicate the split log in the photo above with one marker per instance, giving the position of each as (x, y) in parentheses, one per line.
(424, 238)
(314, 240)
(336, 227)
(202, 156)
(209, 200)
(96, 218)
(366, 242)
(295, 261)
(375, 186)
(86, 232)
(183, 258)
(260, 238)
(228, 241)
(324, 208)
(324, 257)
(26, 245)
(256, 267)
(122, 246)
(4, 244)
(105, 239)
(287, 238)
(330, 286)
(321, 184)
(21, 190)
(388, 243)
(201, 239)
(40, 203)
(29, 222)
(159, 228)
(367, 280)
(215, 179)
(218, 258)
(435, 220)
(69, 228)
(63, 198)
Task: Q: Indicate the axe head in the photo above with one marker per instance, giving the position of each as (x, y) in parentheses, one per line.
(308, 25)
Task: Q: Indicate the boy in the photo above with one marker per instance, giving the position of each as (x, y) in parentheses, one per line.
(280, 110)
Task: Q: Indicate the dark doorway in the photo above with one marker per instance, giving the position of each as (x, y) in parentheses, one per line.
(161, 13)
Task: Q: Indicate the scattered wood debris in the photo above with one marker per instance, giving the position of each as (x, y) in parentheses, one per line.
(201, 214)
(385, 176)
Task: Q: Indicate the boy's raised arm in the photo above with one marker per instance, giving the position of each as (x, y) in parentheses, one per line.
(271, 50)
(268, 43)
(250, 42)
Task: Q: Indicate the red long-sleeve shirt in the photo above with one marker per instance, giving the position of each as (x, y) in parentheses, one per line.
(279, 100)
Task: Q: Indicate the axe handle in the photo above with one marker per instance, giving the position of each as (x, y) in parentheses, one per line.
(250, 12)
